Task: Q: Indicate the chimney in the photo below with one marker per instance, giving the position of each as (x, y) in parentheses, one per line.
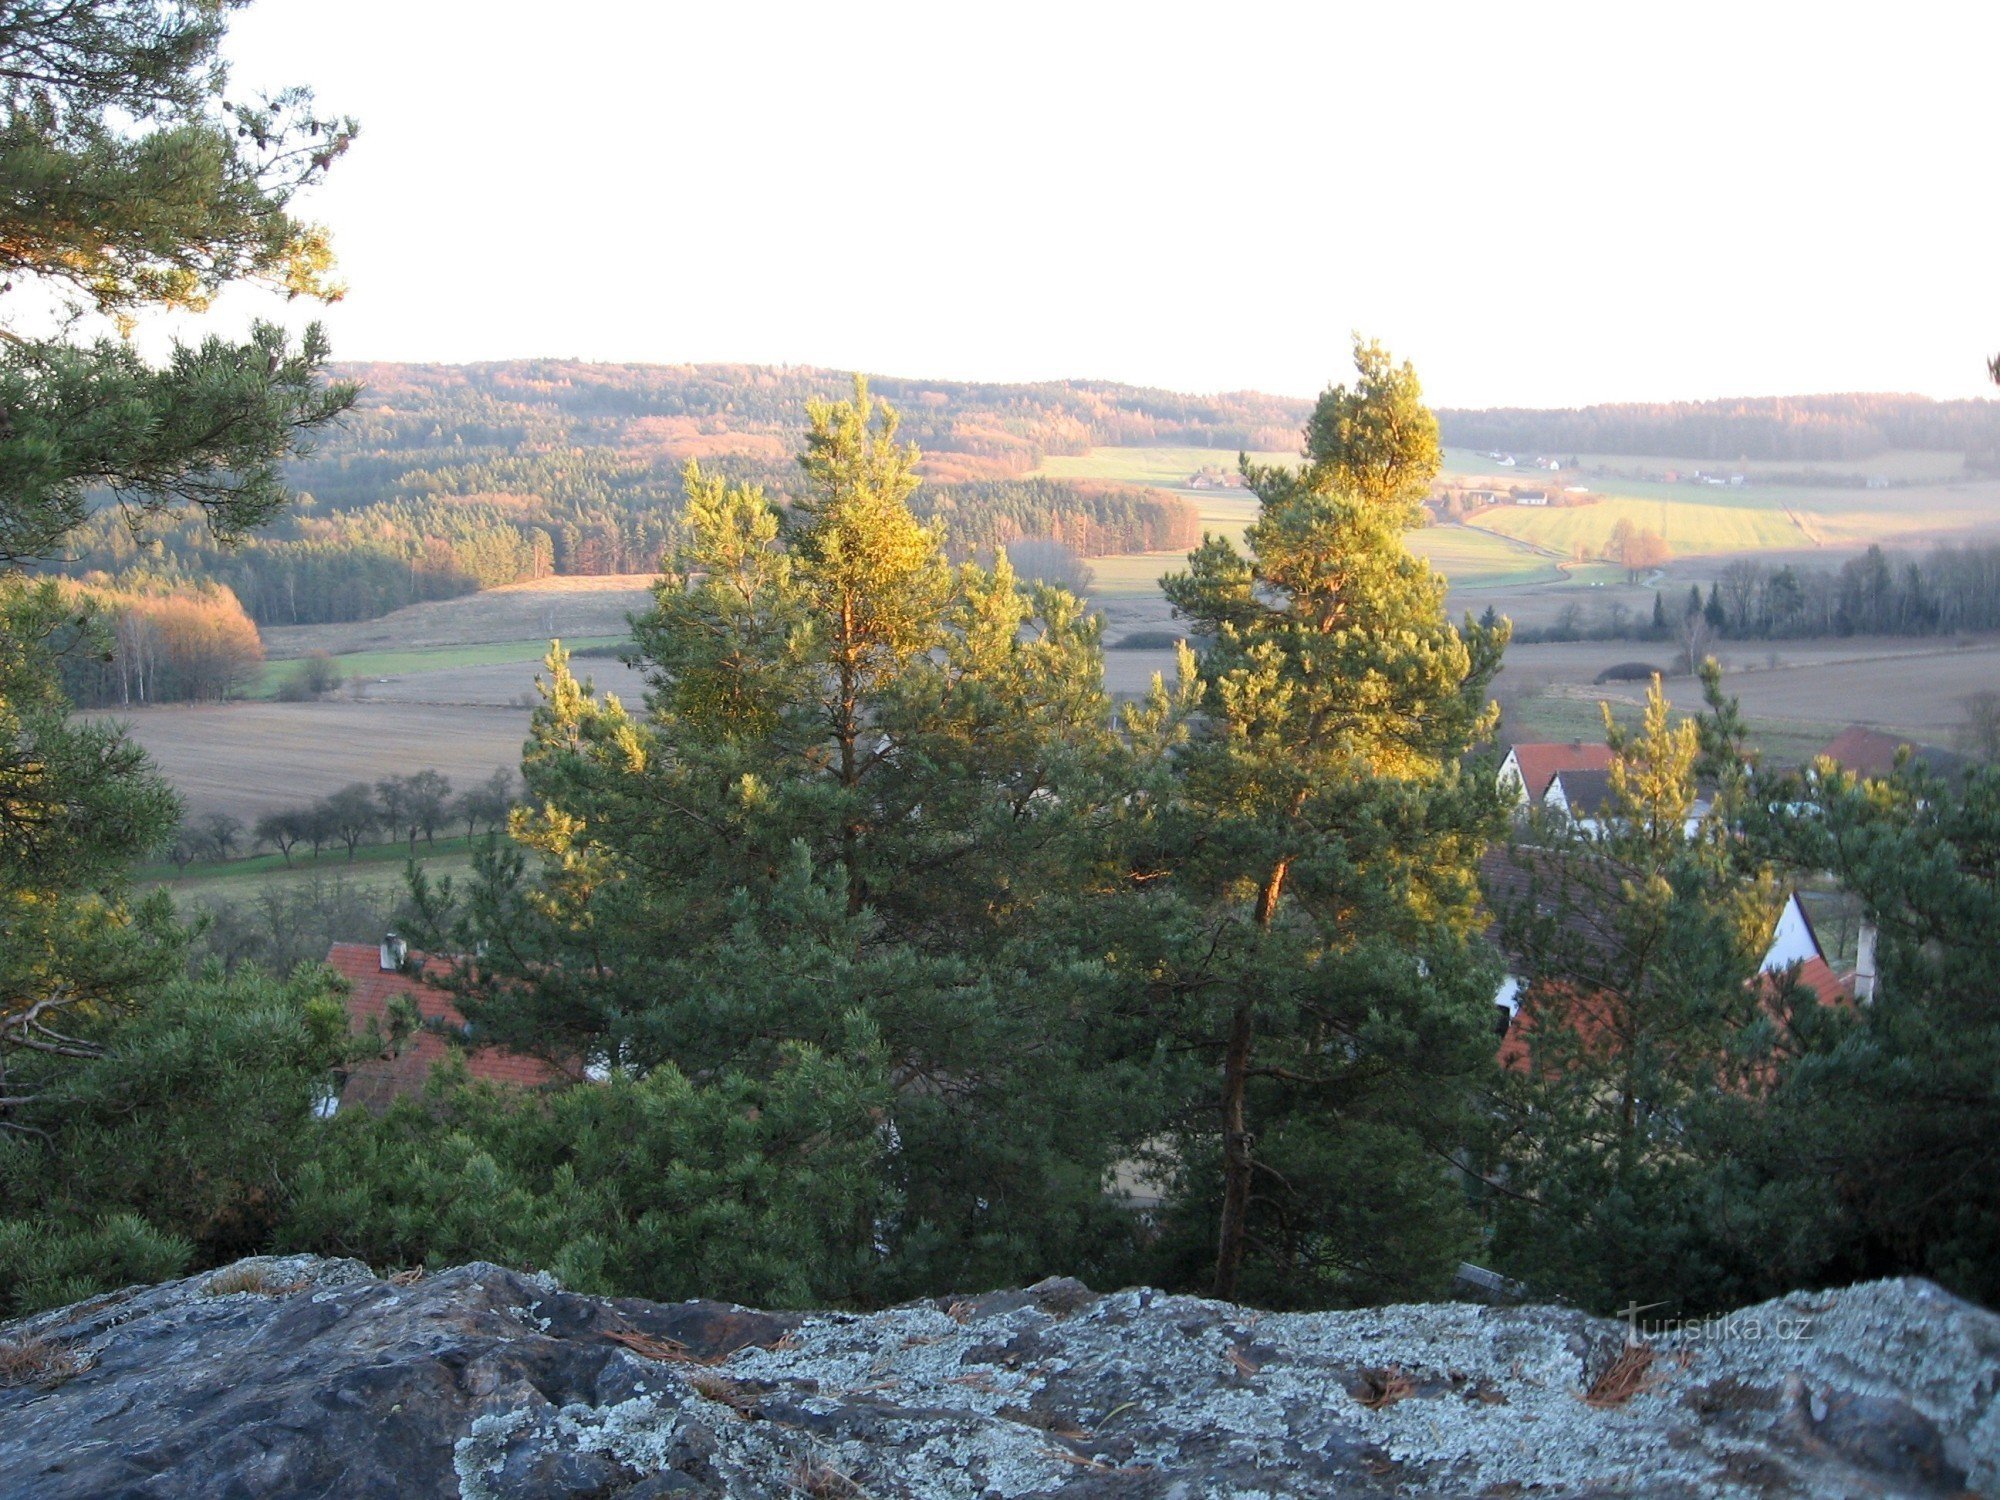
(394, 951)
(1864, 962)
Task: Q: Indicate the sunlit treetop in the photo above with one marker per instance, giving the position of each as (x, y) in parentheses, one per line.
(130, 177)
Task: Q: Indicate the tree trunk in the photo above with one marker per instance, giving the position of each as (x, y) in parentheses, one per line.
(1238, 1160)
(847, 734)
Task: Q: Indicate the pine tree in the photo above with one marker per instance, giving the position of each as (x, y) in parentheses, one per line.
(142, 1121)
(1878, 1146)
(862, 784)
(1304, 897)
(130, 184)
(171, 1144)
(127, 183)
(1636, 943)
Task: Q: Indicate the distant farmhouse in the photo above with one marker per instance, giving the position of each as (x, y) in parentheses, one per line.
(1870, 752)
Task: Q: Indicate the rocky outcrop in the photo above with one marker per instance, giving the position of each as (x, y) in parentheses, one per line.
(310, 1377)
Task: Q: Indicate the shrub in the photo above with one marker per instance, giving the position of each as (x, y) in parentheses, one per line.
(1630, 671)
(311, 677)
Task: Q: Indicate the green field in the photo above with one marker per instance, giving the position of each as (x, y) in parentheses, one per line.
(1692, 528)
(425, 659)
(1478, 559)
(1166, 467)
(374, 865)
(1718, 520)
(1695, 522)
(1470, 559)
(1560, 717)
(1903, 465)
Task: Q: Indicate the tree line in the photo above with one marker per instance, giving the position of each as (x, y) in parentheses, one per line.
(1088, 520)
(452, 536)
(140, 643)
(1945, 591)
(421, 804)
(1826, 428)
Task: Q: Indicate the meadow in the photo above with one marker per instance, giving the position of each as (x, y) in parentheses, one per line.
(381, 666)
(1470, 558)
(375, 868)
(1926, 503)
(579, 608)
(1166, 467)
(1904, 465)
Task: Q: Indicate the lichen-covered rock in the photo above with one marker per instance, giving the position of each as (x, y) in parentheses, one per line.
(307, 1377)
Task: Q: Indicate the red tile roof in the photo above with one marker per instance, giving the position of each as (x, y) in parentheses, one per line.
(377, 1082)
(1865, 752)
(1540, 763)
(1869, 752)
(1816, 976)
(1593, 1019)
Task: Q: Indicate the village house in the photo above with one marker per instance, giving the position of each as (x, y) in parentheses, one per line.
(1512, 877)
(1529, 768)
(1869, 752)
(1581, 797)
(1829, 973)
(379, 974)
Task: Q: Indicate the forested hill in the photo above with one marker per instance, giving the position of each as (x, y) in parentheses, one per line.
(414, 416)
(1825, 428)
(449, 478)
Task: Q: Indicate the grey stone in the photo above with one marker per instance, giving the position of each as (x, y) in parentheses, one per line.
(296, 1376)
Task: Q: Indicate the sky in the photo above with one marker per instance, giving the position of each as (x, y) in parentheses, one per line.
(1537, 204)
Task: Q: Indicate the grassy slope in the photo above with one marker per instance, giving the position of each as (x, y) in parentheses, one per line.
(425, 659)
(1469, 558)
(373, 865)
(1167, 467)
(1705, 521)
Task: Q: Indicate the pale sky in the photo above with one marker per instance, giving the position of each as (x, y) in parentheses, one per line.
(1539, 205)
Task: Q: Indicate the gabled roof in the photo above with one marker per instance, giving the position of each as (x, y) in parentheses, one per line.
(1586, 792)
(1539, 763)
(1870, 752)
(1509, 876)
(1512, 876)
(377, 1082)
